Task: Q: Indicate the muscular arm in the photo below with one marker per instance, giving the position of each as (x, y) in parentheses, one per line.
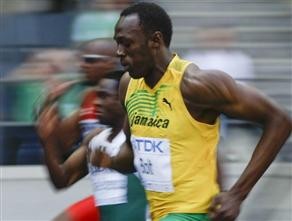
(66, 173)
(251, 105)
(218, 93)
(124, 160)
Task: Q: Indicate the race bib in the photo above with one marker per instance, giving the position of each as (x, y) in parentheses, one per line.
(152, 161)
(110, 187)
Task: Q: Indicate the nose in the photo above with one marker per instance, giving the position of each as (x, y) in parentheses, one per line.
(120, 51)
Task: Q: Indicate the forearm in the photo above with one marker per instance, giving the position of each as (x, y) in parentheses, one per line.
(47, 130)
(123, 164)
(274, 135)
(220, 175)
(54, 164)
(124, 161)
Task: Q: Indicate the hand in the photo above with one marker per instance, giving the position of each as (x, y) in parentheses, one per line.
(57, 89)
(225, 207)
(100, 158)
(48, 122)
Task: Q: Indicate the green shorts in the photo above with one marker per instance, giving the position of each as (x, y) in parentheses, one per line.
(134, 210)
(186, 217)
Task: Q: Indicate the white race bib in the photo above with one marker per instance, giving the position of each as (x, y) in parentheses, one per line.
(152, 161)
(109, 186)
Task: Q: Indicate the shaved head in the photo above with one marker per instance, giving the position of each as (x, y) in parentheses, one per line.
(104, 46)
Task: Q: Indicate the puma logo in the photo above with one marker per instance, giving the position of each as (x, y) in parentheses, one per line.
(164, 100)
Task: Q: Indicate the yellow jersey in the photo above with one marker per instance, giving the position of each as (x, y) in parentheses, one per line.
(174, 154)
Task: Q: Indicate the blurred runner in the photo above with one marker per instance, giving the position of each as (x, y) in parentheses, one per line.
(98, 60)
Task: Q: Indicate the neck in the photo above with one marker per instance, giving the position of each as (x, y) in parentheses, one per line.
(161, 63)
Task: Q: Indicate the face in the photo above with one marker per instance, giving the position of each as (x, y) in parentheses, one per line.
(133, 47)
(109, 108)
(97, 59)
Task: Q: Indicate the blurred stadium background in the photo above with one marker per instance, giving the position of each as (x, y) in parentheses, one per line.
(38, 43)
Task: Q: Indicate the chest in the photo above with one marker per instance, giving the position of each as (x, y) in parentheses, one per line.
(157, 112)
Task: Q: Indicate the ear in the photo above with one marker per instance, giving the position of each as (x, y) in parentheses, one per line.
(156, 40)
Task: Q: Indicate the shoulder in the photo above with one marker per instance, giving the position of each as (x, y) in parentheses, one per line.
(91, 135)
(196, 75)
(125, 78)
(207, 86)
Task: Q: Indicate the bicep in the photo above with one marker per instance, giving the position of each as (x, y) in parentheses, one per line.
(216, 91)
(248, 104)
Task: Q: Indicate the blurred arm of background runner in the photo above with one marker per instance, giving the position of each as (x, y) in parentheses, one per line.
(62, 174)
(67, 130)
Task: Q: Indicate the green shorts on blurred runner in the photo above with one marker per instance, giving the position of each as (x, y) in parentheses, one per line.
(186, 217)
